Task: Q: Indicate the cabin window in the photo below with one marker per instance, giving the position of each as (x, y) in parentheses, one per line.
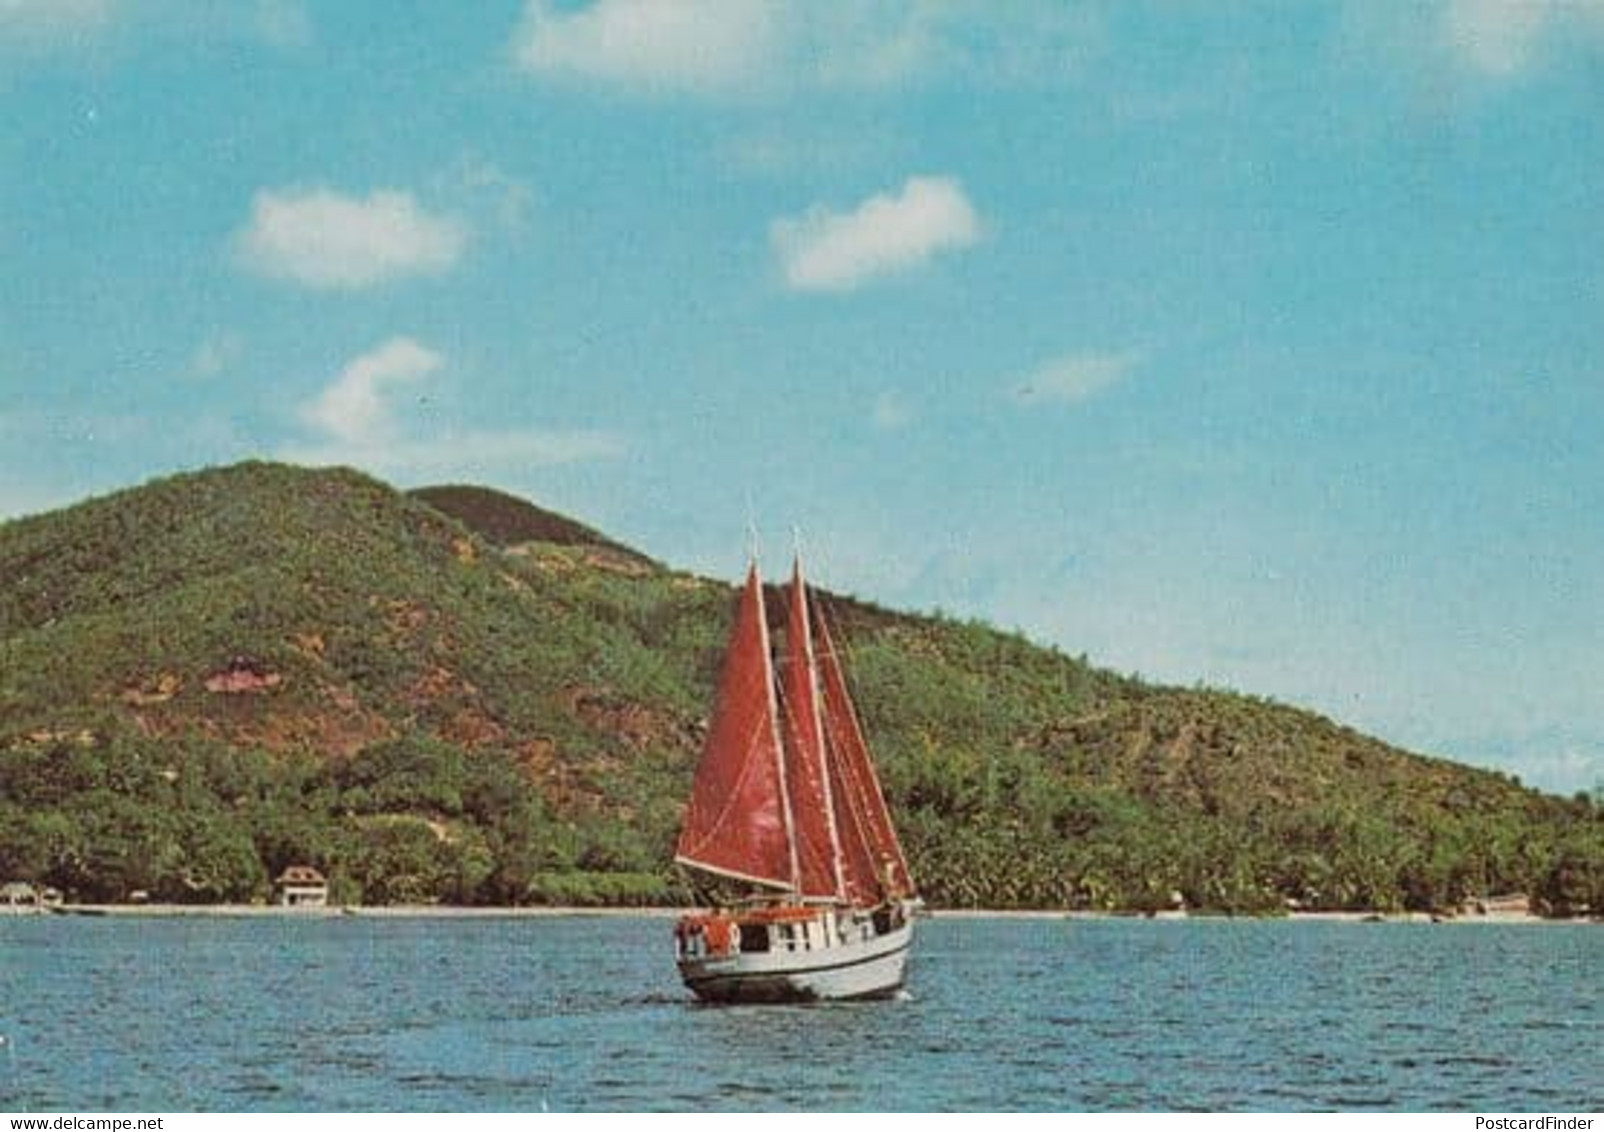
(754, 937)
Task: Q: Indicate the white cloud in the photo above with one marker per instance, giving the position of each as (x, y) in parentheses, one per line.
(282, 23)
(494, 198)
(322, 239)
(357, 420)
(891, 411)
(1496, 37)
(746, 47)
(1074, 377)
(1505, 40)
(52, 17)
(694, 45)
(886, 234)
(784, 150)
(215, 355)
(63, 24)
(470, 454)
(356, 409)
(1549, 760)
(1020, 43)
(18, 500)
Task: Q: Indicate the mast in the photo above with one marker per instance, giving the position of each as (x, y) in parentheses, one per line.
(779, 746)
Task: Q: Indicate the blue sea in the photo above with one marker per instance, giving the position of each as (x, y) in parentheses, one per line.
(586, 1013)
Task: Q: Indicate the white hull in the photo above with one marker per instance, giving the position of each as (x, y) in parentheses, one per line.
(854, 969)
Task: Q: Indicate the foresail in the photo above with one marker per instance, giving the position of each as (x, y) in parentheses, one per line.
(738, 819)
(873, 860)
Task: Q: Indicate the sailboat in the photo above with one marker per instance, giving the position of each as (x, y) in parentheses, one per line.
(787, 806)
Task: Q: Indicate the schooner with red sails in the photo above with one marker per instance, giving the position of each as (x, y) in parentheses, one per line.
(786, 804)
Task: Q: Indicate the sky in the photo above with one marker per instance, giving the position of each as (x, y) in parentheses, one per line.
(1244, 345)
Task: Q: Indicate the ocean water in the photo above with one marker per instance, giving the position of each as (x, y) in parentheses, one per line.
(586, 1013)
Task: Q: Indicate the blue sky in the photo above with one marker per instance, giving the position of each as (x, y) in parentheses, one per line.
(1256, 345)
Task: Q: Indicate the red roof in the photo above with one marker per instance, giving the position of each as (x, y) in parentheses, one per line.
(301, 874)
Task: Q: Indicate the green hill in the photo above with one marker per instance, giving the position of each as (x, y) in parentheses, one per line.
(455, 696)
(508, 522)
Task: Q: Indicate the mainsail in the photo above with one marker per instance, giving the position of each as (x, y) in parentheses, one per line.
(807, 775)
(785, 794)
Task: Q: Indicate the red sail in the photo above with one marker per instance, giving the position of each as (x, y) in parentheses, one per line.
(802, 725)
(861, 875)
(739, 818)
(874, 865)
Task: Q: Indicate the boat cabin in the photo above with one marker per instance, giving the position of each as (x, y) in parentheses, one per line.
(780, 928)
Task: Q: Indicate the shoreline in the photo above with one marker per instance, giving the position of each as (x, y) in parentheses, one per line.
(464, 912)
(1291, 917)
(338, 911)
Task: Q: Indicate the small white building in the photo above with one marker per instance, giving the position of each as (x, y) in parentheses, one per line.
(302, 886)
(19, 896)
(1509, 904)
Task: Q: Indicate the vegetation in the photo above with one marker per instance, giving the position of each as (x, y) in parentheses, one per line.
(215, 676)
(506, 521)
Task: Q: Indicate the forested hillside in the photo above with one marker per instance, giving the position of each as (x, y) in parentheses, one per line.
(454, 696)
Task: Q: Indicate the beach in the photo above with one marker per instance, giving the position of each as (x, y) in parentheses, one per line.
(466, 912)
